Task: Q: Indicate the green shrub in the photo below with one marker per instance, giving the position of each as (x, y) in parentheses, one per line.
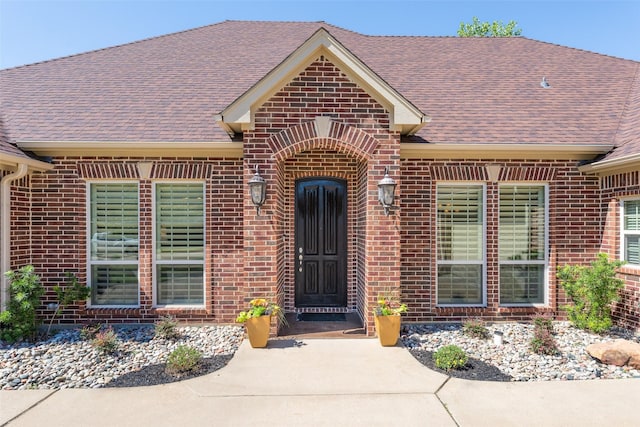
(19, 321)
(68, 295)
(592, 289)
(543, 342)
(544, 322)
(475, 328)
(167, 328)
(183, 359)
(89, 331)
(450, 357)
(105, 341)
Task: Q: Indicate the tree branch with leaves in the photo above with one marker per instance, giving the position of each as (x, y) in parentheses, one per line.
(489, 29)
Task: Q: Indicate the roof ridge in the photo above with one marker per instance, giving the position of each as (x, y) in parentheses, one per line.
(627, 104)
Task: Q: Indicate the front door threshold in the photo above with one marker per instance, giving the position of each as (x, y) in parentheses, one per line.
(351, 327)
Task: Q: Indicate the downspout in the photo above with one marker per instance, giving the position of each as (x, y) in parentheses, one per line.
(5, 230)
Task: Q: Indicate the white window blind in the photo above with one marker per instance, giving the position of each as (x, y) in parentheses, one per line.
(113, 244)
(179, 243)
(460, 244)
(631, 231)
(522, 247)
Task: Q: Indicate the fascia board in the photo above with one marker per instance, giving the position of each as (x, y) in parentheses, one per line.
(12, 162)
(502, 151)
(133, 148)
(605, 167)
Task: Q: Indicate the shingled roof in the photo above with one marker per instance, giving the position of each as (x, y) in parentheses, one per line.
(475, 90)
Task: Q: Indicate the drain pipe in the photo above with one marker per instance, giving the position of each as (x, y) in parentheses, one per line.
(5, 230)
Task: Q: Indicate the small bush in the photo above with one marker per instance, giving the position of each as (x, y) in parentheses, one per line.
(75, 291)
(167, 328)
(592, 289)
(543, 342)
(89, 331)
(183, 359)
(544, 322)
(105, 341)
(450, 357)
(475, 328)
(19, 321)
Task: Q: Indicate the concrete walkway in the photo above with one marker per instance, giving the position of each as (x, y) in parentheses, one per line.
(330, 382)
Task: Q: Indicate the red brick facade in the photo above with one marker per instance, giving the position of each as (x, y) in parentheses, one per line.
(250, 255)
(618, 187)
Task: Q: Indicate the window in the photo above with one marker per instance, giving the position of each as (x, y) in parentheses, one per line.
(460, 244)
(522, 244)
(631, 232)
(113, 244)
(179, 244)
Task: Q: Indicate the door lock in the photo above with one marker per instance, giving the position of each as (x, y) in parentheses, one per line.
(300, 257)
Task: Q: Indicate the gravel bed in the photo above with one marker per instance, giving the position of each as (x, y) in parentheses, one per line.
(513, 358)
(67, 361)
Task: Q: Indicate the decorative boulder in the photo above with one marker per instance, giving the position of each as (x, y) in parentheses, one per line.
(619, 352)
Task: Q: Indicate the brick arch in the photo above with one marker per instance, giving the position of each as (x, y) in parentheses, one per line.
(331, 136)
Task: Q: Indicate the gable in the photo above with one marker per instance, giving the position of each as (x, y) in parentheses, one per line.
(404, 117)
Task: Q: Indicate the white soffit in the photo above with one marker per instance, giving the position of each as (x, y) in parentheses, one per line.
(239, 115)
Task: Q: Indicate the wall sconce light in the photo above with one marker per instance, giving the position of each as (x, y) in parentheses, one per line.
(386, 191)
(257, 190)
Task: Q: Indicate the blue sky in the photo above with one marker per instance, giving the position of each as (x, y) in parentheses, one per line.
(37, 30)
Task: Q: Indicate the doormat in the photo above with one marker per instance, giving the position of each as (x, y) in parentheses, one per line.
(321, 317)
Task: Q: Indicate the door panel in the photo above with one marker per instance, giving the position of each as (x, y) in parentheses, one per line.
(321, 243)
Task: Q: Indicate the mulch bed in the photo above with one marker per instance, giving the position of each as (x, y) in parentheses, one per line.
(474, 369)
(156, 374)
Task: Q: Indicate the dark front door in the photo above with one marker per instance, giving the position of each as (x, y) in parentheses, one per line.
(321, 243)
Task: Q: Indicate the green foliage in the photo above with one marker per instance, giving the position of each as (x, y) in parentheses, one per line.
(167, 328)
(450, 357)
(389, 305)
(261, 307)
(106, 341)
(486, 29)
(543, 342)
(183, 359)
(592, 289)
(475, 328)
(19, 321)
(68, 295)
(89, 331)
(544, 322)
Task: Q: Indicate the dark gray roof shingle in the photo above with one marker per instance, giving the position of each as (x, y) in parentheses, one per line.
(476, 90)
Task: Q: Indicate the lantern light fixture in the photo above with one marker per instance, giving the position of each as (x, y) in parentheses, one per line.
(386, 191)
(257, 190)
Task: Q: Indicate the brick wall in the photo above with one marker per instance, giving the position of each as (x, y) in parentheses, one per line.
(574, 229)
(20, 227)
(58, 232)
(617, 187)
(357, 146)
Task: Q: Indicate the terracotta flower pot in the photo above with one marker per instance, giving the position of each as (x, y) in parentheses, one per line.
(388, 329)
(258, 330)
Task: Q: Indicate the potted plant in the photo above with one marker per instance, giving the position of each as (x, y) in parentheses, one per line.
(257, 319)
(387, 319)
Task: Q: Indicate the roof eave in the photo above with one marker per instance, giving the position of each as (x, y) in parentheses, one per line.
(502, 151)
(620, 164)
(133, 148)
(9, 161)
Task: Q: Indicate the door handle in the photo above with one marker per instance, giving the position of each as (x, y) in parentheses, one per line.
(300, 258)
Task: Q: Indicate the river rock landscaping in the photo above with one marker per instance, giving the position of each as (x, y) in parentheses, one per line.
(66, 360)
(514, 360)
